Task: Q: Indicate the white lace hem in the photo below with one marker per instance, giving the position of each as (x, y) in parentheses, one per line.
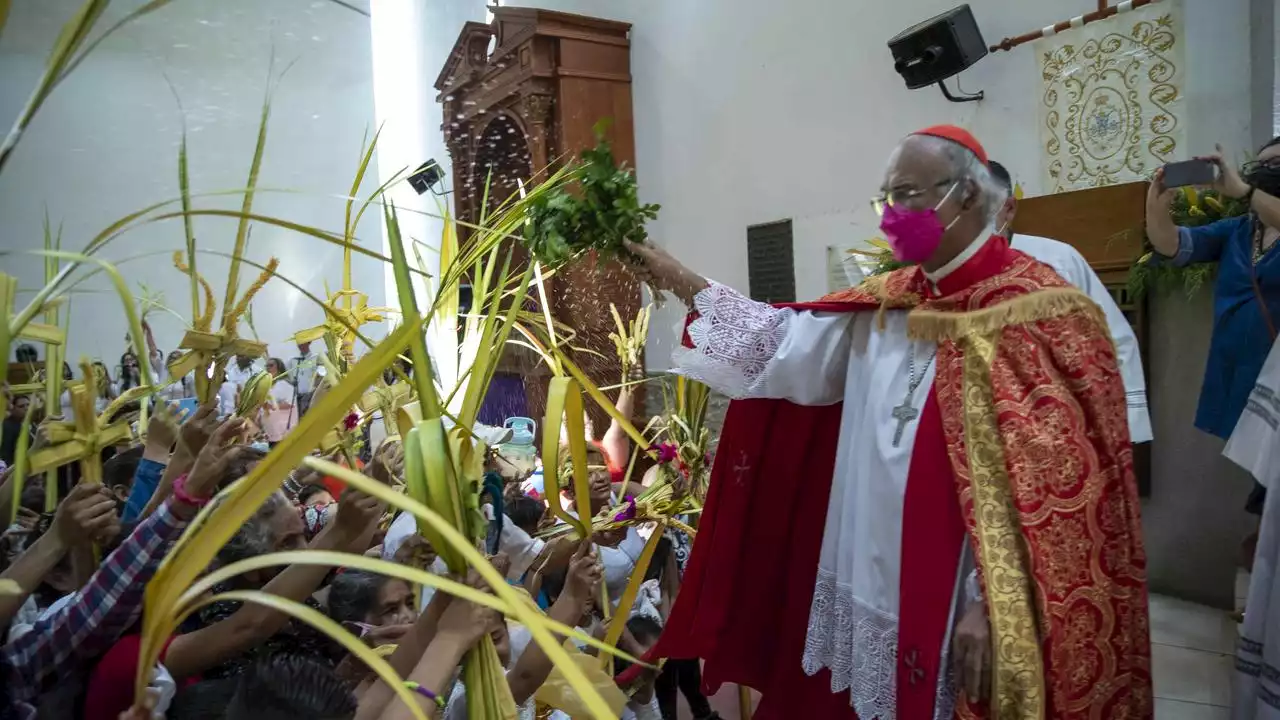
(858, 643)
(734, 339)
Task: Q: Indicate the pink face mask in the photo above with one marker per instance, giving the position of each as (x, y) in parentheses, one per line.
(914, 235)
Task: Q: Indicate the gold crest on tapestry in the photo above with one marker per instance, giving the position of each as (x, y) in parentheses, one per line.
(1112, 107)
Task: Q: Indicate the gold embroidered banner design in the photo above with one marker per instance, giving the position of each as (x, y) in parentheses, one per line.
(1112, 107)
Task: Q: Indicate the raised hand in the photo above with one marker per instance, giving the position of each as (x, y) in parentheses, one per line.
(466, 622)
(163, 427)
(582, 581)
(214, 459)
(657, 267)
(1229, 182)
(357, 513)
(388, 464)
(416, 551)
(1159, 197)
(87, 514)
(198, 428)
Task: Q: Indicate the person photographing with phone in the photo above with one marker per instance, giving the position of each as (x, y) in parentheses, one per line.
(1246, 296)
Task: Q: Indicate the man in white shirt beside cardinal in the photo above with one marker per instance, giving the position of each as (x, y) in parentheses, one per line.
(923, 503)
(1071, 265)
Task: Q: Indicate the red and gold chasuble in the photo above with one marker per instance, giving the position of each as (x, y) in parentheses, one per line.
(1023, 446)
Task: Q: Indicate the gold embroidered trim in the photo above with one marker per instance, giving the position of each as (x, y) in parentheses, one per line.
(1034, 306)
(1018, 685)
(889, 289)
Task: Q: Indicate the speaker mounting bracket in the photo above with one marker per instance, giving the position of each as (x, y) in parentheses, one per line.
(959, 98)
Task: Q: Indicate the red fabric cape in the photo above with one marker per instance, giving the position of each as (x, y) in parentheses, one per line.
(748, 586)
(766, 511)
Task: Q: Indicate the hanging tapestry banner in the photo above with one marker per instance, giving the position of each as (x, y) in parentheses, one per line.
(1112, 107)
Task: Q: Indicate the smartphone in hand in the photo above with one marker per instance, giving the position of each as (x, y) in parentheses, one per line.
(1189, 172)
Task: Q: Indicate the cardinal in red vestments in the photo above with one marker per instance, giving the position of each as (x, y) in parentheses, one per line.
(923, 502)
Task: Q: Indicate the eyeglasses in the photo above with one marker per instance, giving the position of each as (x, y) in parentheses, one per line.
(1255, 165)
(893, 198)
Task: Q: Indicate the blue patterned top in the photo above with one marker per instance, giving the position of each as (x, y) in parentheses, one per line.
(1241, 337)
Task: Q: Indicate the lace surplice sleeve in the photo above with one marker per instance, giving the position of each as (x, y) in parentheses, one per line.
(748, 349)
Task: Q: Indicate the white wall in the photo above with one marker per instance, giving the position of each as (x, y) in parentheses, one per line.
(411, 41)
(758, 110)
(106, 144)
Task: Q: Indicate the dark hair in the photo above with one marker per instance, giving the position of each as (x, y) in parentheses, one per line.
(644, 628)
(353, 594)
(106, 372)
(285, 687)
(128, 411)
(33, 496)
(278, 363)
(1270, 144)
(120, 469)
(525, 512)
(205, 700)
(246, 457)
(310, 489)
(256, 536)
(25, 353)
(1001, 175)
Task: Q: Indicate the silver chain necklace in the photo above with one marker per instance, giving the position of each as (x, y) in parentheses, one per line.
(906, 412)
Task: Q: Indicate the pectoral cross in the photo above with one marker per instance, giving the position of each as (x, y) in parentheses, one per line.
(904, 414)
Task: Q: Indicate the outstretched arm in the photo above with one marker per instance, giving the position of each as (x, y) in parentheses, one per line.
(616, 442)
(749, 349)
(153, 352)
(582, 585)
(252, 624)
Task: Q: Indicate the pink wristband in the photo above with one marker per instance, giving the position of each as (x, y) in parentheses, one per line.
(180, 493)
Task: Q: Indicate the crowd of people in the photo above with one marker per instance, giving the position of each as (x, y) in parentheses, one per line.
(984, 373)
(82, 553)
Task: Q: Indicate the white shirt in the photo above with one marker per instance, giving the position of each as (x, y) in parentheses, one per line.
(178, 390)
(227, 399)
(743, 349)
(1071, 265)
(303, 370)
(240, 377)
(99, 404)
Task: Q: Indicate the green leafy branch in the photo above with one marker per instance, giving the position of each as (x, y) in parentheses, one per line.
(604, 213)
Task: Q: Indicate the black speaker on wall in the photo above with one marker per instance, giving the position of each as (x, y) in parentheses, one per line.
(934, 50)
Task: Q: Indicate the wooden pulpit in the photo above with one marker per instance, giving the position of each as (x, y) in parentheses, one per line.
(522, 94)
(1107, 226)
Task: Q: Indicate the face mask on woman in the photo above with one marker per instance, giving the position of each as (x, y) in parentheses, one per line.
(914, 235)
(1264, 175)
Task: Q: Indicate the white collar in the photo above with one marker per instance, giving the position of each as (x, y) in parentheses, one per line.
(961, 258)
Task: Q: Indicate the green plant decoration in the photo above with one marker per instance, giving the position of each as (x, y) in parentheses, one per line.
(1190, 208)
(881, 255)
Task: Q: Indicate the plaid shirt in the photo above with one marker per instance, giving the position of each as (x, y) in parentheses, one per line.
(103, 609)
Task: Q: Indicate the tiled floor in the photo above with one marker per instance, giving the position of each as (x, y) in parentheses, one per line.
(1191, 658)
